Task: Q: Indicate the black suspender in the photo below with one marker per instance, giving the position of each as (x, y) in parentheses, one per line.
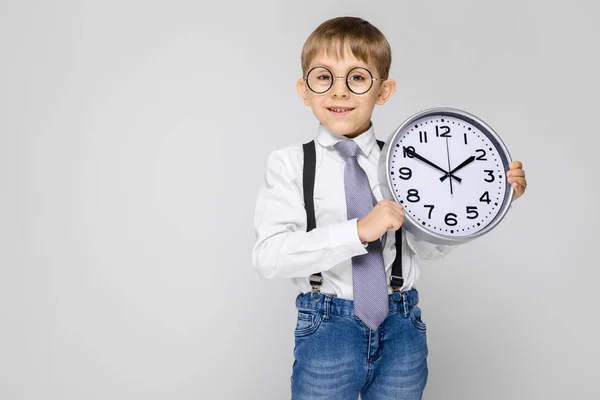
(308, 184)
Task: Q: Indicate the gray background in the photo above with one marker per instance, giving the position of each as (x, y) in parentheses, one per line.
(133, 141)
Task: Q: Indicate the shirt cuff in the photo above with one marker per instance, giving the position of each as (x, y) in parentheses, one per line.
(345, 235)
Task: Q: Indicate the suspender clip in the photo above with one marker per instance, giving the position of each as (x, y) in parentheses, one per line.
(396, 283)
(315, 283)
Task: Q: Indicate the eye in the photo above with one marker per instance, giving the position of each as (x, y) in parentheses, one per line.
(357, 78)
(323, 77)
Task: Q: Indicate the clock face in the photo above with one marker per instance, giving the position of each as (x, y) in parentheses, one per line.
(448, 172)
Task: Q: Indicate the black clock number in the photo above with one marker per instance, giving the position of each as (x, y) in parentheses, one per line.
(450, 219)
(482, 156)
(413, 196)
(409, 155)
(422, 137)
(430, 210)
(466, 138)
(472, 210)
(485, 198)
(443, 134)
(490, 173)
(405, 173)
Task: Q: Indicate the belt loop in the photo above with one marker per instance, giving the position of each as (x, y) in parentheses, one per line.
(405, 303)
(327, 307)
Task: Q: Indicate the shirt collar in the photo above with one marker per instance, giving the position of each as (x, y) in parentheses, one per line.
(365, 140)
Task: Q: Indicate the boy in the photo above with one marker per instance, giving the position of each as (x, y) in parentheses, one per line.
(351, 337)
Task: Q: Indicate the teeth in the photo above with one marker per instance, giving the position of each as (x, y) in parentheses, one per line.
(340, 109)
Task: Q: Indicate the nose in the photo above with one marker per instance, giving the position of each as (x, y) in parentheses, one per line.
(339, 89)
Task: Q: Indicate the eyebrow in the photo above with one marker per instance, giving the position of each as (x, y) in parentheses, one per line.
(322, 64)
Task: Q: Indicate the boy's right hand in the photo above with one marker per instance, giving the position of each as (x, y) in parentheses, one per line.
(386, 215)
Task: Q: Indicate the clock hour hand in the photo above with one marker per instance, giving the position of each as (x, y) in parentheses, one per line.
(463, 164)
(426, 161)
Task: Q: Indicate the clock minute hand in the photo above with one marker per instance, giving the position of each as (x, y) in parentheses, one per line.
(426, 161)
(463, 164)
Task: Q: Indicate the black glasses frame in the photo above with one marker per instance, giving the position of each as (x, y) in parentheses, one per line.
(340, 77)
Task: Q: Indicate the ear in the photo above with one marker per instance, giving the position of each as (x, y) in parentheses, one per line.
(388, 87)
(303, 91)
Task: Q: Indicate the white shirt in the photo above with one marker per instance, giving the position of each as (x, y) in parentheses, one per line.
(284, 249)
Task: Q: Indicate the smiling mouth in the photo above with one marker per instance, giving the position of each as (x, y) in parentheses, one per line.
(340, 110)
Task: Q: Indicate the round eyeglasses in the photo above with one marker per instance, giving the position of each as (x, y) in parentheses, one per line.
(359, 80)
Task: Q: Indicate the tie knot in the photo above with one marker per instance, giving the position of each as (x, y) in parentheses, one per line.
(347, 148)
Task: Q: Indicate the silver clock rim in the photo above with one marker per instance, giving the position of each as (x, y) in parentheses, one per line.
(409, 223)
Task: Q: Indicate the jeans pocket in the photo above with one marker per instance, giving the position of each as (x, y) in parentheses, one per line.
(415, 317)
(307, 323)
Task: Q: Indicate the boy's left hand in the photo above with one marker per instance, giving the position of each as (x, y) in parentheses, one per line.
(516, 177)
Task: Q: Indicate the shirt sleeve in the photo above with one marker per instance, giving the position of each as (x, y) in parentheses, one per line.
(283, 248)
(428, 251)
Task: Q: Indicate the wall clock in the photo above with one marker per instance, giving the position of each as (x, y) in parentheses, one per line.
(448, 170)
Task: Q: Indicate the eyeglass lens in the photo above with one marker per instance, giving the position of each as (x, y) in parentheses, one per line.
(359, 80)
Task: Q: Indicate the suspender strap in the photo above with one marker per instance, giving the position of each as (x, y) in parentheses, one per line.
(308, 184)
(396, 280)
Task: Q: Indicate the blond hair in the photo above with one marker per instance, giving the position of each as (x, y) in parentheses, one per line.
(366, 42)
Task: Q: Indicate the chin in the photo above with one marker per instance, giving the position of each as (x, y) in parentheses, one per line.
(342, 130)
(351, 133)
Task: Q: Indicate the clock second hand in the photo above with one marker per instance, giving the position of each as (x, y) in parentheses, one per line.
(449, 168)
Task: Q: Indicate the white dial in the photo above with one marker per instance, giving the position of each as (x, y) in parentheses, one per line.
(449, 175)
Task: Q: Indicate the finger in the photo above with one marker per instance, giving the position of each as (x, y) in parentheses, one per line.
(519, 186)
(384, 204)
(395, 219)
(515, 172)
(513, 179)
(398, 215)
(518, 191)
(521, 182)
(396, 205)
(398, 212)
(390, 206)
(515, 165)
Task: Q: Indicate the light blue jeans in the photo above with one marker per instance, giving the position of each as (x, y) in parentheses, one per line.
(337, 356)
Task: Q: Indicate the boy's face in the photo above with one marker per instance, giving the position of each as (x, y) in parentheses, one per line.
(356, 117)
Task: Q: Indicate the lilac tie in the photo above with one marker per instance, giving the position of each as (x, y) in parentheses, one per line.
(368, 270)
